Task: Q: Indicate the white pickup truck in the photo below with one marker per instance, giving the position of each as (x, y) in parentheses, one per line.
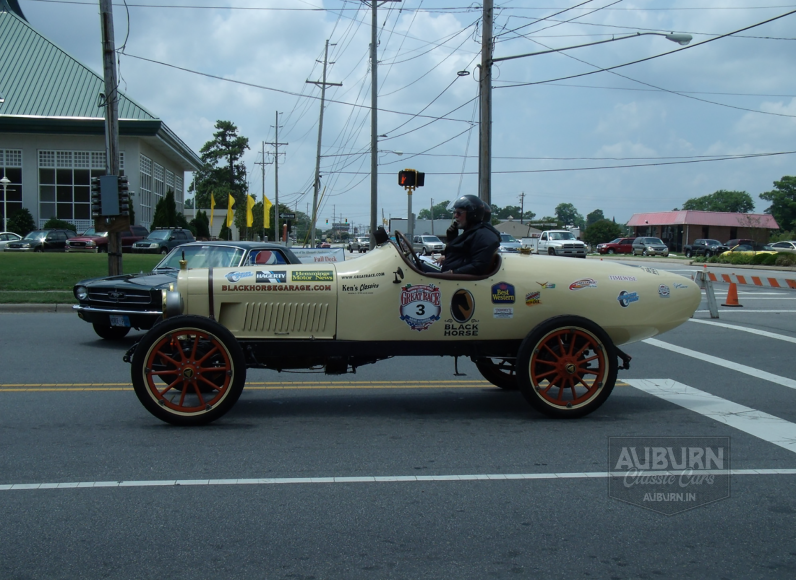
(556, 243)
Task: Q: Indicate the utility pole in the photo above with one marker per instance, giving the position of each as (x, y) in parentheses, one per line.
(522, 205)
(485, 105)
(111, 130)
(276, 145)
(263, 163)
(317, 186)
(432, 216)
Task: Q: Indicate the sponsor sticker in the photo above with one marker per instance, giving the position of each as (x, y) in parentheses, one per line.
(532, 298)
(622, 278)
(272, 277)
(663, 291)
(455, 329)
(235, 276)
(680, 286)
(420, 305)
(363, 288)
(462, 305)
(312, 276)
(504, 312)
(650, 270)
(583, 283)
(503, 293)
(352, 276)
(669, 475)
(276, 287)
(625, 298)
(547, 285)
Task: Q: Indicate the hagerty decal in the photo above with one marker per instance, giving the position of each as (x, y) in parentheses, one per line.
(312, 276)
(270, 277)
(503, 293)
(420, 305)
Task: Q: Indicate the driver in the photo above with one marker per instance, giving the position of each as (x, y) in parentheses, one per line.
(470, 252)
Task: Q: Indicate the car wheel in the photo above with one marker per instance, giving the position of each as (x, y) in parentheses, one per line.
(164, 251)
(111, 332)
(551, 252)
(566, 367)
(39, 249)
(610, 251)
(644, 253)
(688, 254)
(708, 254)
(425, 252)
(498, 371)
(179, 359)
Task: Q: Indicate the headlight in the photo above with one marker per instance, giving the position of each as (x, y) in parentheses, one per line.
(26, 245)
(90, 243)
(153, 245)
(81, 292)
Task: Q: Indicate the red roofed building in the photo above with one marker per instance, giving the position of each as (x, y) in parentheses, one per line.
(678, 228)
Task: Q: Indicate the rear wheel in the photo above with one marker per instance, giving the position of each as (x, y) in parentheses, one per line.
(566, 367)
(111, 332)
(188, 370)
(501, 372)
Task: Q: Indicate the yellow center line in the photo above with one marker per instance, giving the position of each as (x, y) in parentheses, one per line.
(262, 386)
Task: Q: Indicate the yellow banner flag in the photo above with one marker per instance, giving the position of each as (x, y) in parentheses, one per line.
(249, 215)
(230, 213)
(212, 207)
(267, 205)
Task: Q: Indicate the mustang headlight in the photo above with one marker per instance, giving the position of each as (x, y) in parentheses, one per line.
(81, 292)
(172, 302)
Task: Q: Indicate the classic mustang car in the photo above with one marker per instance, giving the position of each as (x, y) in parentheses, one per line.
(545, 325)
(117, 303)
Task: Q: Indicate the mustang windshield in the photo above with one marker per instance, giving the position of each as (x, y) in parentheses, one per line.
(203, 257)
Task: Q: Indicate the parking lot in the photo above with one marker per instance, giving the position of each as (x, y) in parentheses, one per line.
(400, 470)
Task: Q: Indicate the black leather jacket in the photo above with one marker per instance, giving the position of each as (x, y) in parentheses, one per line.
(471, 252)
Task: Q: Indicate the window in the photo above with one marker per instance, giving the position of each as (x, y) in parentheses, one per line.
(65, 184)
(11, 196)
(145, 183)
(160, 185)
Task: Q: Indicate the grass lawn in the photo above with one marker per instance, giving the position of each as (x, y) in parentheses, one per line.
(47, 278)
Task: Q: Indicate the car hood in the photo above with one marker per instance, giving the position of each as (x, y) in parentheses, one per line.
(86, 239)
(150, 280)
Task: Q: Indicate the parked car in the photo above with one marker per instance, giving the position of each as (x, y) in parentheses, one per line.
(360, 244)
(6, 237)
(94, 241)
(427, 245)
(617, 246)
(548, 327)
(704, 247)
(509, 243)
(53, 240)
(161, 241)
(117, 303)
(735, 241)
(784, 246)
(324, 245)
(751, 247)
(650, 247)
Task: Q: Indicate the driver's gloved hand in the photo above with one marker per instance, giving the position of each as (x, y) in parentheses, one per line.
(452, 233)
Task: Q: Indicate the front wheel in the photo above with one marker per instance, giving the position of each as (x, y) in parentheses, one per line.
(708, 254)
(551, 252)
(111, 332)
(500, 372)
(610, 251)
(188, 370)
(566, 367)
(688, 253)
(164, 251)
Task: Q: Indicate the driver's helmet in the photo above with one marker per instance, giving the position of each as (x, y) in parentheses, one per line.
(473, 207)
(487, 214)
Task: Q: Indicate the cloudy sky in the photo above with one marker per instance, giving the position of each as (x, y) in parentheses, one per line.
(719, 114)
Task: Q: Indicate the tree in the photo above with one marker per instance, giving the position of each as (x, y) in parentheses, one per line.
(511, 211)
(165, 212)
(200, 225)
(221, 172)
(722, 200)
(188, 203)
(594, 217)
(441, 212)
(602, 231)
(56, 224)
(783, 202)
(569, 216)
(21, 222)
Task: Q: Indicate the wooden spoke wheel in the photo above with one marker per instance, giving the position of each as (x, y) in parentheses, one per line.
(188, 370)
(567, 367)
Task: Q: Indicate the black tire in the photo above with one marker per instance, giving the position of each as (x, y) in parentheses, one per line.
(688, 253)
(111, 332)
(644, 253)
(551, 252)
(424, 252)
(39, 249)
(164, 251)
(208, 357)
(610, 251)
(708, 253)
(556, 357)
(499, 371)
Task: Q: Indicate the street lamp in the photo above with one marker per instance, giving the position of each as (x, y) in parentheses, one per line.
(5, 182)
(485, 91)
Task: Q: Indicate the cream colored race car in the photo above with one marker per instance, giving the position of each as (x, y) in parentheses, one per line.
(545, 325)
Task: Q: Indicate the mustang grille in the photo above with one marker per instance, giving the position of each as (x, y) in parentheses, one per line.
(113, 296)
(285, 317)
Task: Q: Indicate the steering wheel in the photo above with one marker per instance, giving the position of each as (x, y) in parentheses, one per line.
(405, 247)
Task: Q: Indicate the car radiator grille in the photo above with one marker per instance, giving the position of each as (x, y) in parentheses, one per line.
(76, 244)
(114, 297)
(285, 317)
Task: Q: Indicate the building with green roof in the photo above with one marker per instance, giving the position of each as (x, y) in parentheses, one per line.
(52, 133)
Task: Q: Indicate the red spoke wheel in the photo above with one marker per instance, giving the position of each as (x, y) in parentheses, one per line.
(567, 367)
(501, 372)
(188, 370)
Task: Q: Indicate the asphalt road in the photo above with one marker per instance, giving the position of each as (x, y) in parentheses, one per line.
(452, 478)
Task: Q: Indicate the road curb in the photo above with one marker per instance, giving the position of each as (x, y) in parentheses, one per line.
(27, 308)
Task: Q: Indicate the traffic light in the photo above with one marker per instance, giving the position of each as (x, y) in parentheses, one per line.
(411, 178)
(124, 195)
(96, 197)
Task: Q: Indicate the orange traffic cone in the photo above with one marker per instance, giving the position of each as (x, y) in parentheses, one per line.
(732, 296)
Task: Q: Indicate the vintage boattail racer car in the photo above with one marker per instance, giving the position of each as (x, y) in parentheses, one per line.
(547, 326)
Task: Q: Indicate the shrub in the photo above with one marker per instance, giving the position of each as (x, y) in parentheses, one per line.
(21, 222)
(785, 259)
(56, 224)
